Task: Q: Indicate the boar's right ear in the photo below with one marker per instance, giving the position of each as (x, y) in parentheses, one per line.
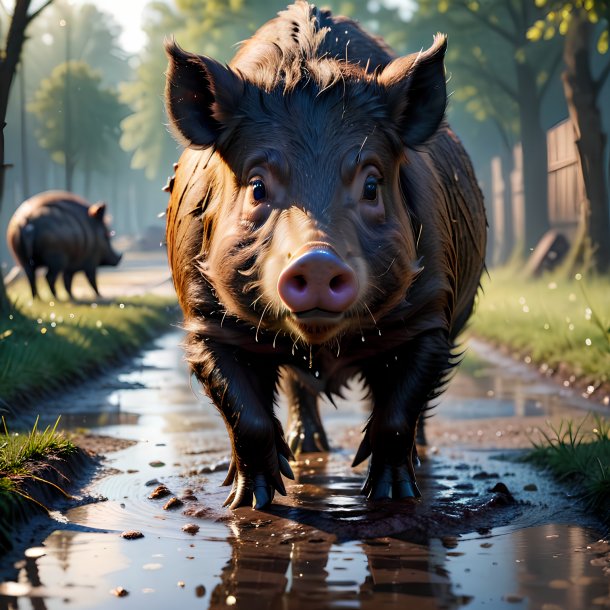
(200, 94)
(97, 210)
(416, 92)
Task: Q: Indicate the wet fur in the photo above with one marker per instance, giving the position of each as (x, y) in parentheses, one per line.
(423, 264)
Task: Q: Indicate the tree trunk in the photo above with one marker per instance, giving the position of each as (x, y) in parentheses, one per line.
(581, 95)
(8, 66)
(9, 58)
(533, 141)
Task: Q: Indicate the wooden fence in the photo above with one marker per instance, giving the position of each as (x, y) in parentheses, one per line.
(565, 191)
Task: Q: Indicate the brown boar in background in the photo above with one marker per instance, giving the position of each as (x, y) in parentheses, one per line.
(323, 222)
(64, 233)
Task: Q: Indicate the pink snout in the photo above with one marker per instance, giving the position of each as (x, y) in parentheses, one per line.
(318, 279)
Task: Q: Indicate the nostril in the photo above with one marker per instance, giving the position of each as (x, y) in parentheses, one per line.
(299, 282)
(337, 283)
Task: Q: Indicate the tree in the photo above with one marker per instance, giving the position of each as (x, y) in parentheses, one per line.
(9, 59)
(576, 21)
(94, 118)
(504, 70)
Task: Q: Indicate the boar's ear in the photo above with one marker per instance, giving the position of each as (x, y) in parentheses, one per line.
(417, 95)
(199, 94)
(97, 210)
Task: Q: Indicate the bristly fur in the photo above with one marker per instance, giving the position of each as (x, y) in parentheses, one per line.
(310, 103)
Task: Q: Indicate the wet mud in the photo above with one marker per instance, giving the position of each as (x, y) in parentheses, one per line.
(489, 531)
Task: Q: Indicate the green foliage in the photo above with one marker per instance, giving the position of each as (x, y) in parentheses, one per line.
(88, 33)
(47, 345)
(580, 455)
(559, 13)
(555, 323)
(94, 116)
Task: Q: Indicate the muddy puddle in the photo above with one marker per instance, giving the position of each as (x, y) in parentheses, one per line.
(490, 532)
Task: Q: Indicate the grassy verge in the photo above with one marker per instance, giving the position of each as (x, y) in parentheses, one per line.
(580, 455)
(20, 458)
(48, 345)
(562, 326)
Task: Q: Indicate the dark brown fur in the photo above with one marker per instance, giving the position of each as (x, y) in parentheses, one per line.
(311, 102)
(62, 232)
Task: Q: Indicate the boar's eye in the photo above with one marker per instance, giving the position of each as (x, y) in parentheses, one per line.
(259, 192)
(370, 188)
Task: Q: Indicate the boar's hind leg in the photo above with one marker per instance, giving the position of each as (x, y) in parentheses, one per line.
(400, 388)
(243, 391)
(51, 276)
(91, 276)
(305, 431)
(68, 275)
(30, 273)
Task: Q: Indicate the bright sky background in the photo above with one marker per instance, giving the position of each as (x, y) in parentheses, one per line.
(128, 13)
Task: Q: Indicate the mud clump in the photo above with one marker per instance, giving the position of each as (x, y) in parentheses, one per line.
(190, 528)
(160, 491)
(173, 503)
(119, 592)
(132, 535)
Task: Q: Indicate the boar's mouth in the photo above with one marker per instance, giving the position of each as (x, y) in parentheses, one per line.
(311, 316)
(317, 325)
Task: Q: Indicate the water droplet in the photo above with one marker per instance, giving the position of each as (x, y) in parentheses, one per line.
(363, 339)
(317, 373)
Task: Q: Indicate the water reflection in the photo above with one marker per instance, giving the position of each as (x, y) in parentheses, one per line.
(324, 547)
(510, 570)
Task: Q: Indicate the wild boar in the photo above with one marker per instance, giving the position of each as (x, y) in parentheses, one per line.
(324, 222)
(64, 233)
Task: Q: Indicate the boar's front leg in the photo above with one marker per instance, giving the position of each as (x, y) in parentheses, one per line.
(242, 388)
(400, 386)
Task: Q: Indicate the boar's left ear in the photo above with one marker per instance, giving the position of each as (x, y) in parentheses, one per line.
(97, 210)
(200, 95)
(416, 92)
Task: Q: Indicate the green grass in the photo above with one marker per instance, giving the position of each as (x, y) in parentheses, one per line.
(580, 455)
(47, 345)
(560, 325)
(18, 451)
(20, 458)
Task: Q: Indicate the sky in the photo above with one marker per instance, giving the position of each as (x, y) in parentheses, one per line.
(128, 13)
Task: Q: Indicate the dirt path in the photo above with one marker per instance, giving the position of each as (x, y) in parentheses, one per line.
(488, 532)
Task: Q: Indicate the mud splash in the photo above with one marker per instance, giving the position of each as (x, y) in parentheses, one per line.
(489, 531)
